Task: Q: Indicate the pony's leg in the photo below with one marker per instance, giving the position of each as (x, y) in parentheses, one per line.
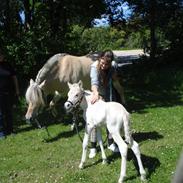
(85, 144)
(55, 99)
(100, 142)
(123, 148)
(136, 150)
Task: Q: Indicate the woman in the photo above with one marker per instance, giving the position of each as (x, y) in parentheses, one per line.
(8, 90)
(104, 83)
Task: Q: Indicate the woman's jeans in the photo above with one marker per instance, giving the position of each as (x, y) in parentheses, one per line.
(6, 116)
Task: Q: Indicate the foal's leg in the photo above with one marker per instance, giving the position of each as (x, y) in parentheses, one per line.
(100, 142)
(85, 144)
(136, 150)
(123, 148)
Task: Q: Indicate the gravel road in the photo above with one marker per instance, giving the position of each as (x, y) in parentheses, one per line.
(128, 55)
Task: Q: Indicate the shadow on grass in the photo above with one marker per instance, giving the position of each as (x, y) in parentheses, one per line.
(150, 164)
(148, 87)
(64, 134)
(142, 136)
(141, 100)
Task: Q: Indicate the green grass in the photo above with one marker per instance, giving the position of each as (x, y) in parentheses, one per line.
(32, 156)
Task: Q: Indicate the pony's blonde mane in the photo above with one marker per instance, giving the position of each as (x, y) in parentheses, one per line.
(49, 67)
(34, 95)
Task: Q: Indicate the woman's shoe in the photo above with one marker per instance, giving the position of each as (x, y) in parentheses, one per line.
(2, 135)
(113, 147)
(93, 152)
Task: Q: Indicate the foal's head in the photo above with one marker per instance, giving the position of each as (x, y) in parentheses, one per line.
(34, 98)
(75, 96)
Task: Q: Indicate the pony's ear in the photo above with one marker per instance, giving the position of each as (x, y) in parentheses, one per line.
(69, 85)
(31, 81)
(42, 84)
(80, 83)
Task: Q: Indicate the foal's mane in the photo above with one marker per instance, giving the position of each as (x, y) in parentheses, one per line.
(87, 92)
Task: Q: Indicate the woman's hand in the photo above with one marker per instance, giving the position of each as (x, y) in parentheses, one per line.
(94, 97)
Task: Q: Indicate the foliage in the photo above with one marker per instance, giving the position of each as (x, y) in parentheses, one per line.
(160, 17)
(141, 39)
(138, 39)
(103, 38)
(82, 41)
(42, 29)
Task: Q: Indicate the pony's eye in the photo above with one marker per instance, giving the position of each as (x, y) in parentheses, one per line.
(76, 95)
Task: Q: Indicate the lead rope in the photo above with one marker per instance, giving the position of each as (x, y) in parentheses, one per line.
(110, 87)
(42, 127)
(74, 119)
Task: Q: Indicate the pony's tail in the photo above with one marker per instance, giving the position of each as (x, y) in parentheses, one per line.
(127, 130)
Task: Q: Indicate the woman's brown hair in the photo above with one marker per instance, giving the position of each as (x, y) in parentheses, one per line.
(108, 56)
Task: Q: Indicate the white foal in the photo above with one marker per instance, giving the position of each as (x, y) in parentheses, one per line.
(111, 114)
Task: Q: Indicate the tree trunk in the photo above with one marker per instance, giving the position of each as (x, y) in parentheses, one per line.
(153, 29)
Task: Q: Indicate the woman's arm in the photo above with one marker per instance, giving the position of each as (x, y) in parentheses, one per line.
(95, 94)
(94, 83)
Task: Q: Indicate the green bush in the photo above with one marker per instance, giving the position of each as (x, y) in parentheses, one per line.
(81, 40)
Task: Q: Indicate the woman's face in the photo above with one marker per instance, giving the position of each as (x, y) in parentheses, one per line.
(104, 64)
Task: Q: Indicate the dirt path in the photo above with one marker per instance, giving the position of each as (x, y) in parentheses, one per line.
(119, 53)
(128, 55)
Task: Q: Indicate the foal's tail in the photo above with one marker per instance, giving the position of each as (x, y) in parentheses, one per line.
(127, 130)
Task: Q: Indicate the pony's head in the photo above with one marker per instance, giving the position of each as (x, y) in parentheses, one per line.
(34, 98)
(75, 96)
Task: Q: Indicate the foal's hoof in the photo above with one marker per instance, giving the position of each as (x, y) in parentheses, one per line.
(81, 166)
(121, 179)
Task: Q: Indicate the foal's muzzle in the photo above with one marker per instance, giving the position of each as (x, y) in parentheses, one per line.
(68, 105)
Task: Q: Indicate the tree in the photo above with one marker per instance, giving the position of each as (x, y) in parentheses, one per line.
(158, 14)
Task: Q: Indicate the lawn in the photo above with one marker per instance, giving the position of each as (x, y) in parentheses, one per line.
(155, 103)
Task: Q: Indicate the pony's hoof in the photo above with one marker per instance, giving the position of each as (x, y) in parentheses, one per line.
(81, 166)
(72, 127)
(51, 105)
(143, 177)
(104, 161)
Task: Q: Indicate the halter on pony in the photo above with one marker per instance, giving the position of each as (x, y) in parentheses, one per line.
(74, 106)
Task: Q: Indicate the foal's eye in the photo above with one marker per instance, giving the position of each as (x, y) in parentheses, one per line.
(76, 95)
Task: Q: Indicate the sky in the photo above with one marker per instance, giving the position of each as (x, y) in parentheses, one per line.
(103, 21)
